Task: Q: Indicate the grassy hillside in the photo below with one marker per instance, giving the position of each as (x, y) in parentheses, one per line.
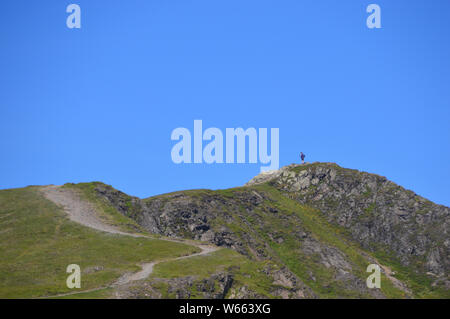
(280, 239)
(38, 241)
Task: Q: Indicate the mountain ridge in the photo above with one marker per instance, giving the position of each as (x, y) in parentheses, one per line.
(304, 231)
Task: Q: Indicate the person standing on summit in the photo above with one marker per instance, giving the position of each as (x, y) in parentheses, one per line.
(302, 156)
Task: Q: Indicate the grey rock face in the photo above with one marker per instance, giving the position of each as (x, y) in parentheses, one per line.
(377, 212)
(216, 286)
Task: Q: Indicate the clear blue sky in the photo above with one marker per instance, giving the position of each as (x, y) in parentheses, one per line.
(100, 103)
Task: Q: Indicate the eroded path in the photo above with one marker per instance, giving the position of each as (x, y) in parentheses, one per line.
(85, 213)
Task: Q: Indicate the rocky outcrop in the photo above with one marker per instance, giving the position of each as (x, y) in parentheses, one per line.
(378, 213)
(216, 286)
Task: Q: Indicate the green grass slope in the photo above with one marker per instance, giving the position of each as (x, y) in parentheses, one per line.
(38, 242)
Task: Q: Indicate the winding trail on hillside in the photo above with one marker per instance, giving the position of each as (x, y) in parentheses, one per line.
(85, 213)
